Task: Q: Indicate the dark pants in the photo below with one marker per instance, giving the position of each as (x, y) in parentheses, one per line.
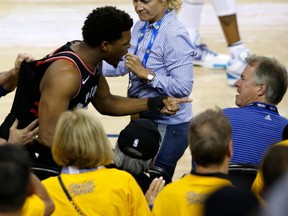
(173, 146)
(43, 164)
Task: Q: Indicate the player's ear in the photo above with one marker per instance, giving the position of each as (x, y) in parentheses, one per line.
(105, 45)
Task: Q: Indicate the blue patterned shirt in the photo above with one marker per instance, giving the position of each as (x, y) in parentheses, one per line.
(171, 59)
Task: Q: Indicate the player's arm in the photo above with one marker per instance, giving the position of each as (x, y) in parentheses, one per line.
(59, 84)
(108, 104)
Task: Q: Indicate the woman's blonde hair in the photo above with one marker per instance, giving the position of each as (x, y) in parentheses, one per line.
(80, 140)
(175, 4)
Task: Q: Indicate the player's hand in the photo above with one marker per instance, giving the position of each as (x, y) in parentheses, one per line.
(171, 105)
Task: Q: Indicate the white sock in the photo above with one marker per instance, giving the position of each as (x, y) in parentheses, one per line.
(190, 15)
(236, 48)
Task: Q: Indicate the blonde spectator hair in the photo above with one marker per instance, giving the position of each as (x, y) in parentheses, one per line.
(80, 141)
(175, 4)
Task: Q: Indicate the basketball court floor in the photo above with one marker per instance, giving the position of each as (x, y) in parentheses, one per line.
(40, 26)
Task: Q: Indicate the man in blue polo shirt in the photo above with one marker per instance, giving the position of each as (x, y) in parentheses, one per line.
(256, 123)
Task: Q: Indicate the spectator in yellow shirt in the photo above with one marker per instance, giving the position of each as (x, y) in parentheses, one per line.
(210, 142)
(21, 193)
(85, 186)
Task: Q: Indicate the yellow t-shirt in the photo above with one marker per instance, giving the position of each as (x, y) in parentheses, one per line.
(186, 196)
(99, 192)
(33, 206)
(258, 184)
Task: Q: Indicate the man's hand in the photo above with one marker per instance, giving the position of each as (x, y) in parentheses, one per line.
(20, 58)
(171, 105)
(2, 141)
(22, 136)
(9, 79)
(155, 187)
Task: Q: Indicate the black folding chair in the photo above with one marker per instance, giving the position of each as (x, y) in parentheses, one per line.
(43, 173)
(156, 172)
(242, 175)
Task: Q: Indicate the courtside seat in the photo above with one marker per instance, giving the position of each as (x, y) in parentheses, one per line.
(242, 175)
(43, 173)
(156, 172)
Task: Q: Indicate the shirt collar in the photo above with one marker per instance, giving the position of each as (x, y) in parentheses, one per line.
(74, 170)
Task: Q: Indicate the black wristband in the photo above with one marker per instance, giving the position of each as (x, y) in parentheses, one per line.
(156, 103)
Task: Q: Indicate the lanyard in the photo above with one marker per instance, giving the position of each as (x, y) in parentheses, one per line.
(156, 26)
(152, 39)
(263, 105)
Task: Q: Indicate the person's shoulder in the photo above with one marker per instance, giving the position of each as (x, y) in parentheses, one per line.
(33, 206)
(175, 185)
(230, 110)
(62, 69)
(283, 142)
(243, 113)
(175, 25)
(171, 191)
(284, 118)
(172, 21)
(49, 181)
(138, 26)
(114, 172)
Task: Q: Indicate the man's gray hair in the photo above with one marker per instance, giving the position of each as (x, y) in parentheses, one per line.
(129, 164)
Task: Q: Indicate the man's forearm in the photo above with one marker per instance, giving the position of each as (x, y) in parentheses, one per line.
(8, 80)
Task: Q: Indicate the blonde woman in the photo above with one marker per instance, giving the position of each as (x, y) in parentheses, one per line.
(85, 186)
(159, 63)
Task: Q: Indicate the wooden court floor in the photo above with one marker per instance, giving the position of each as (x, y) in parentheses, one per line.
(40, 26)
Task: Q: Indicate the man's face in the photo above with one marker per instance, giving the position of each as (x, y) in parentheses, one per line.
(247, 89)
(118, 49)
